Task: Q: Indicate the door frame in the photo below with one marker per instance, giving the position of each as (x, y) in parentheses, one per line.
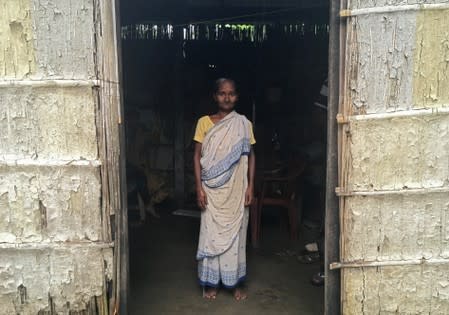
(123, 286)
(332, 287)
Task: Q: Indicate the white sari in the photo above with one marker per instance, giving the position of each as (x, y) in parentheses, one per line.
(224, 173)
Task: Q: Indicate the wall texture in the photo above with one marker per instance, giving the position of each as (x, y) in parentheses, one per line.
(394, 160)
(56, 254)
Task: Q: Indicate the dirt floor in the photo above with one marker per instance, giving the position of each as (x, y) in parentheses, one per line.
(163, 273)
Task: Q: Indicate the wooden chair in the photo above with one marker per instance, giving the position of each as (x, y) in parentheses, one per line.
(284, 197)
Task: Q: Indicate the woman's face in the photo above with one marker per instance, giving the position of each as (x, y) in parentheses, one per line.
(226, 96)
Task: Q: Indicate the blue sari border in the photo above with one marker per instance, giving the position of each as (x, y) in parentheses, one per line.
(220, 284)
(243, 147)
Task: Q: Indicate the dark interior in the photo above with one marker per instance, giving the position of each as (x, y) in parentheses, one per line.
(172, 52)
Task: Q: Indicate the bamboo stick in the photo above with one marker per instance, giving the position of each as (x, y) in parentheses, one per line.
(343, 98)
(392, 192)
(49, 83)
(402, 114)
(345, 110)
(392, 9)
(9, 161)
(51, 245)
(388, 263)
(346, 62)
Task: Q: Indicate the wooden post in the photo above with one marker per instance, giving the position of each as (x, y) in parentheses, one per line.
(179, 121)
(124, 240)
(332, 229)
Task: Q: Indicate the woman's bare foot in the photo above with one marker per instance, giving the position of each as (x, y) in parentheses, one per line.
(239, 294)
(210, 293)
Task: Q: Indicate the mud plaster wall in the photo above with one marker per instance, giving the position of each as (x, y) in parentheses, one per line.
(16, 39)
(397, 227)
(431, 71)
(49, 204)
(393, 290)
(399, 153)
(380, 65)
(65, 278)
(54, 255)
(396, 62)
(47, 39)
(48, 123)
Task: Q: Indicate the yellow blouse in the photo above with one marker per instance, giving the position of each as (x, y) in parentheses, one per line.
(205, 123)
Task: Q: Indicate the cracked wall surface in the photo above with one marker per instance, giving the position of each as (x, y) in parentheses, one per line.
(49, 204)
(395, 161)
(394, 227)
(381, 70)
(47, 39)
(57, 280)
(431, 72)
(55, 246)
(399, 153)
(48, 123)
(393, 290)
(16, 39)
(398, 61)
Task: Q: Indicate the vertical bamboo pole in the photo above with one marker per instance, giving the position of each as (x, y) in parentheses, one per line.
(346, 60)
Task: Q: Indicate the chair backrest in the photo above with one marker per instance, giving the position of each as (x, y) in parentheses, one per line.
(295, 168)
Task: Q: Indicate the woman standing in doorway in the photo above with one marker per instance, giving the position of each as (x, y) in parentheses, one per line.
(224, 165)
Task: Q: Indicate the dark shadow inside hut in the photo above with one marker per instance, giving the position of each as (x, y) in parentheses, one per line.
(172, 52)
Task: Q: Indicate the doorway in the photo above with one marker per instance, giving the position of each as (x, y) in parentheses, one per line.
(172, 53)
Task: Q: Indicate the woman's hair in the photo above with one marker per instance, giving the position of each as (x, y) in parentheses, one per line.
(221, 81)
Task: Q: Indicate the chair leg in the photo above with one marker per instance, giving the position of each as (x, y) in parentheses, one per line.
(259, 205)
(293, 221)
(259, 218)
(254, 219)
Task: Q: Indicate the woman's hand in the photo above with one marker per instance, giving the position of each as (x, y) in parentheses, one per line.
(201, 198)
(249, 196)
